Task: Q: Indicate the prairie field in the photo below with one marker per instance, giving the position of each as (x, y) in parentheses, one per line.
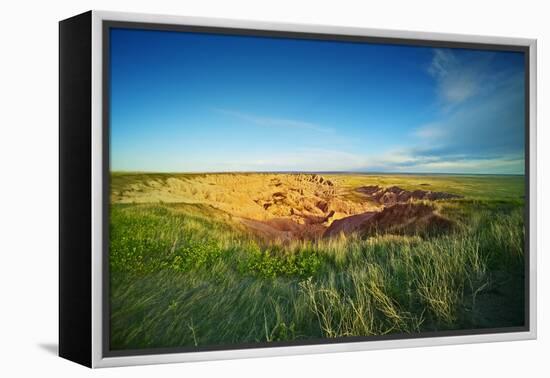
(210, 260)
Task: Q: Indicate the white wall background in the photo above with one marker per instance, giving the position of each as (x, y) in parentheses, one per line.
(28, 186)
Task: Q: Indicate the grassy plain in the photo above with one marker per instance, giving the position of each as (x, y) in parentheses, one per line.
(211, 260)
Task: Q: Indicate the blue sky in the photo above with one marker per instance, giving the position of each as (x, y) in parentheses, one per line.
(190, 102)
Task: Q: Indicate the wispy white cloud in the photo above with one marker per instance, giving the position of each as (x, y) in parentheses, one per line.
(457, 80)
(306, 159)
(493, 122)
(481, 119)
(411, 160)
(430, 131)
(275, 122)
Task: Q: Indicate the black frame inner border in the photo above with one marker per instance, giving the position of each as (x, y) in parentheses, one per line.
(107, 25)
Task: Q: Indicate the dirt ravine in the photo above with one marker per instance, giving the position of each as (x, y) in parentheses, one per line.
(394, 194)
(286, 207)
(402, 218)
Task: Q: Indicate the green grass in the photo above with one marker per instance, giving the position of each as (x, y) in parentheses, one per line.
(186, 275)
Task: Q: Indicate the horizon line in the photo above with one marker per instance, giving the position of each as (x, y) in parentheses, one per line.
(317, 172)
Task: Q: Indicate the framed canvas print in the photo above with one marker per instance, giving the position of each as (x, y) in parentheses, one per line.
(237, 189)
